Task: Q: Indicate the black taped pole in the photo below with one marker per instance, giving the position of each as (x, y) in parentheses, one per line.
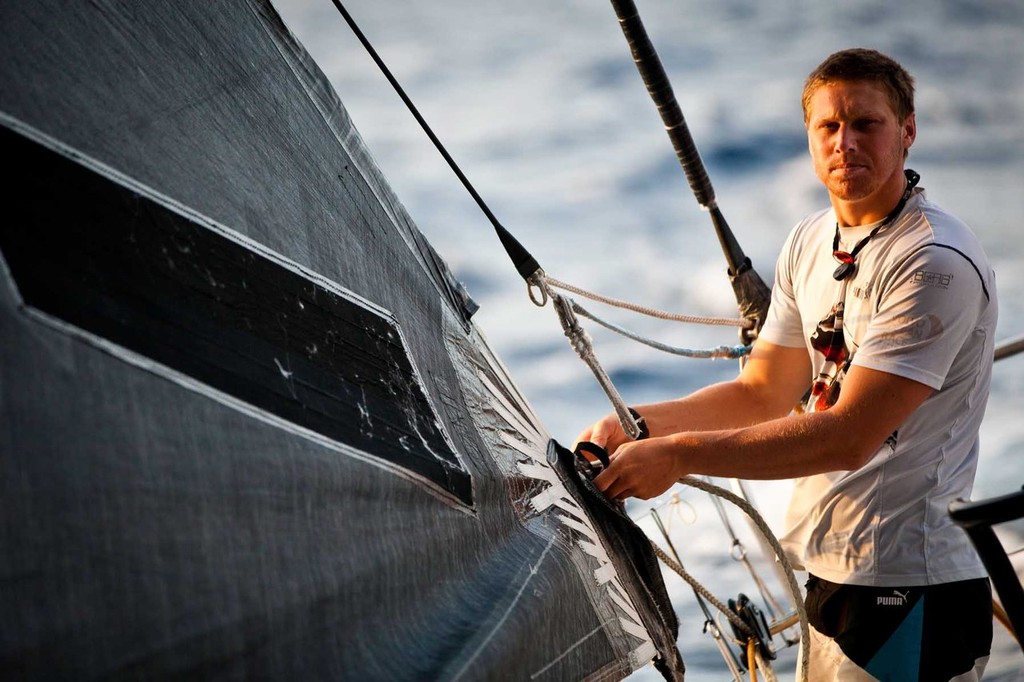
(752, 294)
(660, 89)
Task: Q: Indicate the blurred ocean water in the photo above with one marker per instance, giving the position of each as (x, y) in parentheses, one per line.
(542, 107)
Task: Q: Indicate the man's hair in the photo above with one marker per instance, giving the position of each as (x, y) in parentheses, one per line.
(860, 64)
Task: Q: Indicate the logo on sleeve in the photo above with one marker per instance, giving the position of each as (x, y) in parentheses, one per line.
(933, 279)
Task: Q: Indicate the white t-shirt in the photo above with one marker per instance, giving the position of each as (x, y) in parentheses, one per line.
(922, 305)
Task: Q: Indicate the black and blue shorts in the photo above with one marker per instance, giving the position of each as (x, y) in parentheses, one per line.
(932, 632)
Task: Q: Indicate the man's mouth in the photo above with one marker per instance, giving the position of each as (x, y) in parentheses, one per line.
(848, 168)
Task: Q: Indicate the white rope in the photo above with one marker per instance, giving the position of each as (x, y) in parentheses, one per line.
(580, 342)
(763, 666)
(730, 352)
(734, 619)
(651, 312)
(798, 601)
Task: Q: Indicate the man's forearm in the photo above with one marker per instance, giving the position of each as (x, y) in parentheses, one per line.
(727, 405)
(789, 447)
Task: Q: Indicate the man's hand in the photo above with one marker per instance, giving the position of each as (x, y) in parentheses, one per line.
(643, 468)
(681, 442)
(606, 432)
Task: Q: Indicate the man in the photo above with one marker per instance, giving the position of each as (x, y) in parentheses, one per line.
(884, 305)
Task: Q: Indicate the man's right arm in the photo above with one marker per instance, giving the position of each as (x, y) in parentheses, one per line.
(772, 381)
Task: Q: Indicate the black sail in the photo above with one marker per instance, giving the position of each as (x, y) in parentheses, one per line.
(247, 427)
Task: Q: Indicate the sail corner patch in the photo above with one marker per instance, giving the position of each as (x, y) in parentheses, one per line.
(137, 271)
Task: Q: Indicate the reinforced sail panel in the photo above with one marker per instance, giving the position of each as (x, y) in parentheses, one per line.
(247, 427)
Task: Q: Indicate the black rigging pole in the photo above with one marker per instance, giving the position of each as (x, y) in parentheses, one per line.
(752, 294)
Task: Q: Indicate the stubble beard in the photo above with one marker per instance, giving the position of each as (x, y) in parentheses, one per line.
(863, 182)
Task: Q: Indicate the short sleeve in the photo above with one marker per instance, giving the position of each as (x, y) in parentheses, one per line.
(783, 324)
(925, 310)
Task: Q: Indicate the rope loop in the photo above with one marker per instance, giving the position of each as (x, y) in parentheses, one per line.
(537, 282)
(741, 628)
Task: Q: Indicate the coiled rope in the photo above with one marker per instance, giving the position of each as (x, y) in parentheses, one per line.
(780, 554)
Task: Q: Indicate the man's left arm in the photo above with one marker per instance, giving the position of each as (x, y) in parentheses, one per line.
(909, 348)
(871, 406)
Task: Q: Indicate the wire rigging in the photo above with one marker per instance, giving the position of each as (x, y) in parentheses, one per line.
(521, 258)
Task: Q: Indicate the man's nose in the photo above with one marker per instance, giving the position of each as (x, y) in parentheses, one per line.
(846, 139)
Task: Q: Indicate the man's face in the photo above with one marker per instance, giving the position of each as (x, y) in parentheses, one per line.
(856, 141)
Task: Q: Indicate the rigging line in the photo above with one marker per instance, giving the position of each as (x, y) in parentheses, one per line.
(762, 525)
(701, 590)
(730, 352)
(581, 343)
(1009, 347)
(780, 614)
(739, 553)
(525, 263)
(521, 258)
(710, 624)
(650, 312)
(764, 666)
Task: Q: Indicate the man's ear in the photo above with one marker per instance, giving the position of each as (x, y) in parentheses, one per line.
(909, 132)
